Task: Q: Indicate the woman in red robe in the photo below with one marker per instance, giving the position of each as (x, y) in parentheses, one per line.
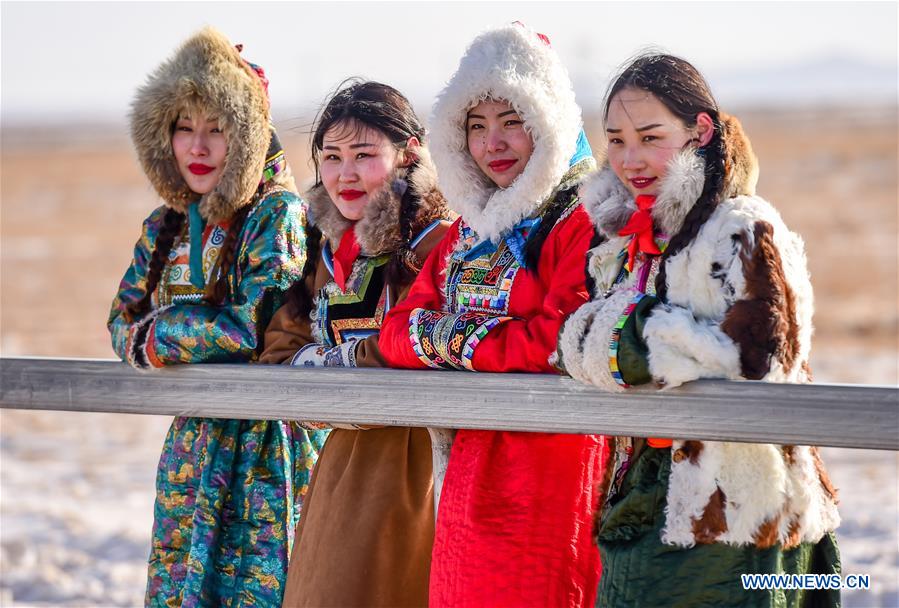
(514, 519)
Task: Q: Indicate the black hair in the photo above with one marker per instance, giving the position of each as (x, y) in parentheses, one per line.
(679, 86)
(172, 222)
(358, 104)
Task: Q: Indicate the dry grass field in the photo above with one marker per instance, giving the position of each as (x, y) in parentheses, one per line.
(77, 489)
(71, 212)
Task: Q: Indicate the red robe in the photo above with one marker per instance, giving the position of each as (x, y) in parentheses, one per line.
(515, 515)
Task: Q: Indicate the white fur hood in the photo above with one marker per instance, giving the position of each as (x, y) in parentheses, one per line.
(511, 63)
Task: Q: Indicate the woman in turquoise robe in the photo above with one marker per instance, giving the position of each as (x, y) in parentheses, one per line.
(209, 270)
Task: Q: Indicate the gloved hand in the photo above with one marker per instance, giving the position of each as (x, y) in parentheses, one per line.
(321, 355)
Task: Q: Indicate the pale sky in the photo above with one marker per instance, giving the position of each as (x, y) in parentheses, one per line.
(85, 59)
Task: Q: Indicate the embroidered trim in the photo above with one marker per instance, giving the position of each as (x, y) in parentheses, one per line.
(274, 165)
(356, 288)
(615, 340)
(191, 264)
(421, 235)
(444, 340)
(483, 284)
(321, 355)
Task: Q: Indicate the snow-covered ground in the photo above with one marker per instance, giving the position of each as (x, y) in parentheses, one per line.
(76, 489)
(77, 494)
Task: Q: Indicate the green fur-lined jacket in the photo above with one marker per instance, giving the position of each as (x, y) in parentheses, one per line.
(183, 328)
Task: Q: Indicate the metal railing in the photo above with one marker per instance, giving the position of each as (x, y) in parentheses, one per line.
(854, 416)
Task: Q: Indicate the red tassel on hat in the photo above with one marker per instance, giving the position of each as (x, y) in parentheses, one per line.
(640, 225)
(345, 257)
(543, 37)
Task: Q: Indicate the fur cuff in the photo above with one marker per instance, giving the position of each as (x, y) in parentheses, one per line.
(569, 356)
(682, 348)
(584, 342)
(137, 356)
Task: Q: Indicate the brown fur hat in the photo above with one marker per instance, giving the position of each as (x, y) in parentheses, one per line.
(205, 72)
(378, 231)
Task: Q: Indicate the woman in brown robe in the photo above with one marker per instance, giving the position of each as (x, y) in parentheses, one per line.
(367, 527)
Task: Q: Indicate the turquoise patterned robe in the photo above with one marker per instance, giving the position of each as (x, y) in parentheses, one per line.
(229, 492)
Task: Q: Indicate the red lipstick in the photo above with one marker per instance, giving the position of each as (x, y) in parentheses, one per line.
(642, 182)
(351, 195)
(502, 164)
(200, 168)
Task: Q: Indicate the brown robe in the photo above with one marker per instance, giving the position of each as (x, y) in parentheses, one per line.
(367, 527)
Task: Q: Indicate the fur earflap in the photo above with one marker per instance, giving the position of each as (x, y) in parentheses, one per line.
(610, 204)
(378, 231)
(206, 73)
(509, 63)
(741, 166)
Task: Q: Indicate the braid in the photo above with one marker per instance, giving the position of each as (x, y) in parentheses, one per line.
(704, 207)
(404, 264)
(298, 299)
(165, 238)
(552, 214)
(596, 240)
(217, 288)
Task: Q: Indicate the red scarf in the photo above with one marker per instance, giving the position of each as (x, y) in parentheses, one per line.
(640, 225)
(345, 256)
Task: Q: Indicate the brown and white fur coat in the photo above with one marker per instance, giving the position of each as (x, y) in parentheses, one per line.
(738, 306)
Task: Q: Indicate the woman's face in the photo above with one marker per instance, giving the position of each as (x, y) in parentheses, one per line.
(498, 142)
(356, 161)
(643, 135)
(200, 147)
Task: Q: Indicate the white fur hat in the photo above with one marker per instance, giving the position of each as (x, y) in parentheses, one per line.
(515, 64)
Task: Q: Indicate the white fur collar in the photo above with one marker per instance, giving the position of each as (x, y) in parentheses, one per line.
(509, 63)
(610, 204)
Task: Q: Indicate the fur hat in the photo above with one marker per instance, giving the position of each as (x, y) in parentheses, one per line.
(515, 64)
(205, 72)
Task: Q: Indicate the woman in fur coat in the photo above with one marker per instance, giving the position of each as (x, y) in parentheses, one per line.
(367, 528)
(210, 268)
(693, 276)
(513, 527)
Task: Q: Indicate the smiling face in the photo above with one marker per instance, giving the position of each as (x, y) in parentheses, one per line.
(498, 141)
(643, 136)
(199, 146)
(356, 162)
